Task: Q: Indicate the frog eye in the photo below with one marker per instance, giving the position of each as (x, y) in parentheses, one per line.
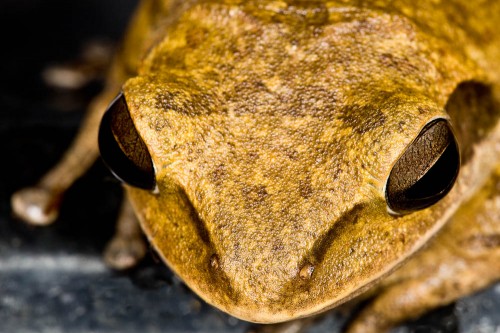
(122, 149)
(426, 171)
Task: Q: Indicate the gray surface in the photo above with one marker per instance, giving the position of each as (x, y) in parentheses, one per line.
(66, 291)
(480, 313)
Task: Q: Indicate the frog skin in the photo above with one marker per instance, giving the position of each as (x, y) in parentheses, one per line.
(277, 143)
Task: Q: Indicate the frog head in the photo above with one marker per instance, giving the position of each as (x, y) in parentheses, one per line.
(282, 161)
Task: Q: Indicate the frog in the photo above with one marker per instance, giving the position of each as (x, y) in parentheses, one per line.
(285, 157)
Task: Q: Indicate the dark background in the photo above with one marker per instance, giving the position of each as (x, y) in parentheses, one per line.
(52, 279)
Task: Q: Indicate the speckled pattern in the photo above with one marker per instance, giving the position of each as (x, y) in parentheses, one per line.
(52, 279)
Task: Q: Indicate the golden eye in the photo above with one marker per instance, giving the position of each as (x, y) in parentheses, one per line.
(122, 149)
(426, 171)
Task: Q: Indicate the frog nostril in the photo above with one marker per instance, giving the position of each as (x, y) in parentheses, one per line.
(122, 149)
(426, 171)
(306, 271)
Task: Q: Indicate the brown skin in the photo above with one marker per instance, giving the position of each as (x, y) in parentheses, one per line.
(273, 127)
(463, 258)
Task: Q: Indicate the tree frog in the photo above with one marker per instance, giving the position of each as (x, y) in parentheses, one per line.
(284, 157)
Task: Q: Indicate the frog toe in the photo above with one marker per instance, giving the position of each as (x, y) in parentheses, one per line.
(36, 205)
(128, 246)
(124, 253)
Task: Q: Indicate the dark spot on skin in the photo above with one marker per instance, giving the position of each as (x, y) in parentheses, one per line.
(474, 112)
(305, 188)
(278, 246)
(292, 154)
(323, 244)
(387, 60)
(402, 238)
(159, 124)
(363, 118)
(482, 242)
(249, 92)
(252, 156)
(186, 101)
(196, 37)
(254, 195)
(260, 84)
(401, 126)
(236, 250)
(421, 110)
(400, 64)
(218, 175)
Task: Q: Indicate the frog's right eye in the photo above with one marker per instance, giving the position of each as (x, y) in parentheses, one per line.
(122, 149)
(426, 171)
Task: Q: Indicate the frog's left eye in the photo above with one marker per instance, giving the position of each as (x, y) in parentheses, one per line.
(122, 149)
(426, 171)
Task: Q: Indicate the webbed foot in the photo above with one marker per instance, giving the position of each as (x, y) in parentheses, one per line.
(36, 205)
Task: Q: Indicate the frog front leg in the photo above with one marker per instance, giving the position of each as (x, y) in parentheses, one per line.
(39, 205)
(464, 258)
(127, 247)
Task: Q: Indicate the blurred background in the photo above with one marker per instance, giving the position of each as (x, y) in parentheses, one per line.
(52, 279)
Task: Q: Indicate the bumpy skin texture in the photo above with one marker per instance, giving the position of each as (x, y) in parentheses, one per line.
(273, 126)
(463, 258)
